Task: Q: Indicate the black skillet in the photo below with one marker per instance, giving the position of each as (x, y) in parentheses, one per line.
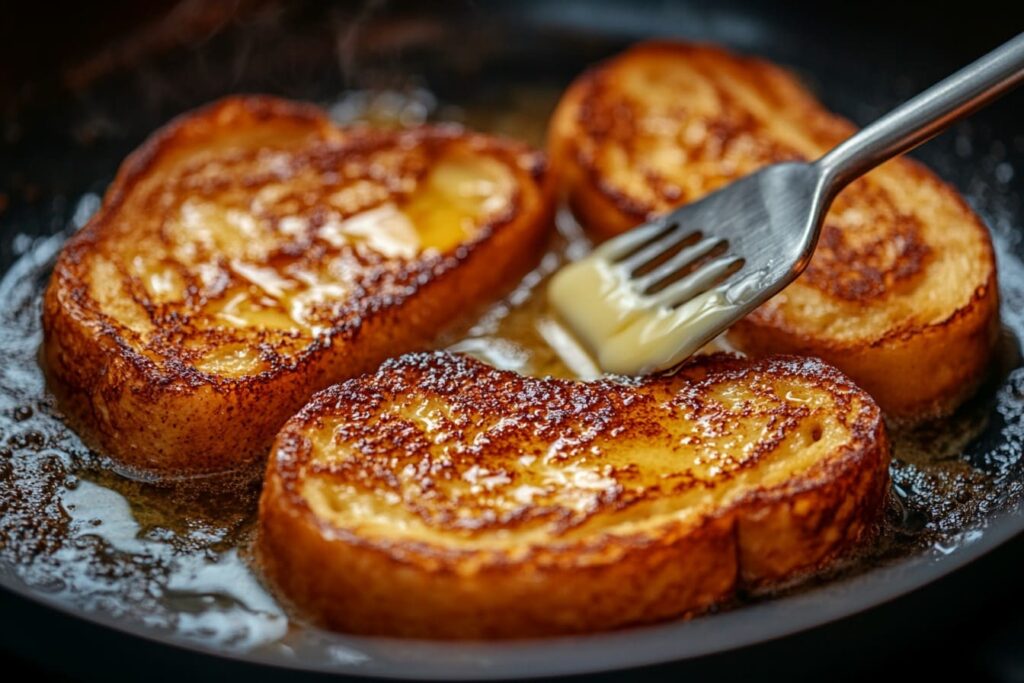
(65, 132)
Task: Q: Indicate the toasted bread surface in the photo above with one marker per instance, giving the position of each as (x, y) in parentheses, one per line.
(443, 498)
(250, 253)
(901, 292)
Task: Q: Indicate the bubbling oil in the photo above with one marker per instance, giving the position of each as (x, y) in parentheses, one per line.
(177, 559)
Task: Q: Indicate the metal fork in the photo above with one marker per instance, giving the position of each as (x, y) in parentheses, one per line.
(670, 286)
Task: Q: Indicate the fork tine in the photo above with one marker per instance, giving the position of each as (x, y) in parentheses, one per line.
(625, 244)
(682, 259)
(670, 241)
(697, 282)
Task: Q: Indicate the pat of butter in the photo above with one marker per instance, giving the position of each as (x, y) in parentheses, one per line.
(627, 332)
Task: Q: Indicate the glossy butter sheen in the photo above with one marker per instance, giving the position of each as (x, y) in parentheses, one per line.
(251, 253)
(235, 248)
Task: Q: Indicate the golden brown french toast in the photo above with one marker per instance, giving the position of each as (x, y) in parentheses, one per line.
(443, 498)
(250, 254)
(901, 293)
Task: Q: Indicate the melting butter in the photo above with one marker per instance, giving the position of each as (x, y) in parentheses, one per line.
(628, 332)
(384, 229)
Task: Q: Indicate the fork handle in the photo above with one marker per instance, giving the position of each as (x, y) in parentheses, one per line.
(925, 116)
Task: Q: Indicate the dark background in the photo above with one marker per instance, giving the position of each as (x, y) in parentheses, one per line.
(969, 626)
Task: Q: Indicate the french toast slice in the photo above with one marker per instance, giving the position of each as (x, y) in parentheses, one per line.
(443, 498)
(250, 253)
(901, 292)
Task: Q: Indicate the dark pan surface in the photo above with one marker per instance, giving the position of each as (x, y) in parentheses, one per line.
(173, 567)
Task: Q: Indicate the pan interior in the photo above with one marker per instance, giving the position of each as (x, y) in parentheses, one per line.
(176, 561)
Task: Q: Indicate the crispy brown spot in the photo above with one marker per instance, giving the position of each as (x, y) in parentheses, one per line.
(464, 470)
(867, 248)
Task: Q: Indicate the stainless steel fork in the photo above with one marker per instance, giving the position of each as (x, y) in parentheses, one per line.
(630, 305)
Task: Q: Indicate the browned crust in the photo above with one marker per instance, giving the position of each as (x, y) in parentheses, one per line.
(360, 583)
(171, 420)
(914, 371)
(201, 123)
(917, 373)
